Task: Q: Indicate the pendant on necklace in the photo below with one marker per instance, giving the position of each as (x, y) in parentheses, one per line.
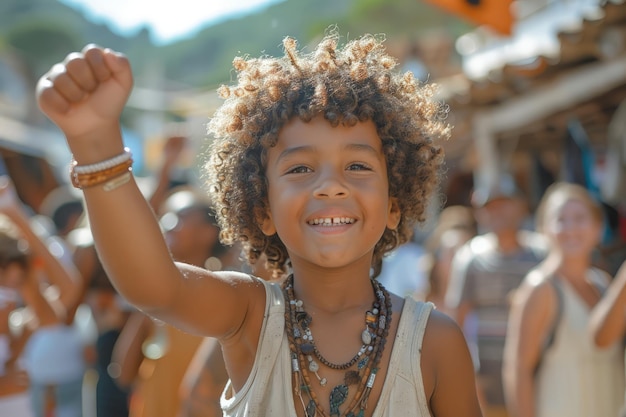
(351, 378)
(366, 337)
(337, 397)
(311, 409)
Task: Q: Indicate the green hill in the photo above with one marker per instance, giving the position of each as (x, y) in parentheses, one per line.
(43, 31)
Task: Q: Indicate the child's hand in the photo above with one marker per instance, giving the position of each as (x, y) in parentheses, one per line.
(86, 92)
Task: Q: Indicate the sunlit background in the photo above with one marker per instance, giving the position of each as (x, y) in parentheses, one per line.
(167, 21)
(533, 86)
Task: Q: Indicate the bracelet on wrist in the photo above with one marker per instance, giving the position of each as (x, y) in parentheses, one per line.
(102, 165)
(85, 176)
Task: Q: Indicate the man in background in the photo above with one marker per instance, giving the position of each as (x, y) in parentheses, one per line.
(485, 272)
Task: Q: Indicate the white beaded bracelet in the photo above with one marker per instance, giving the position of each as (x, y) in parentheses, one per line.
(103, 165)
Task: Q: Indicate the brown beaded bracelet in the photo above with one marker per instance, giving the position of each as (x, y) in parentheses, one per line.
(92, 179)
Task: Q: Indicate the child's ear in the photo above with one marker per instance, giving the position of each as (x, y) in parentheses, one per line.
(266, 223)
(393, 214)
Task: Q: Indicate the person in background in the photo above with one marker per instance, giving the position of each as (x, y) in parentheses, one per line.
(17, 282)
(552, 367)
(203, 382)
(485, 272)
(64, 207)
(109, 310)
(455, 226)
(153, 356)
(53, 354)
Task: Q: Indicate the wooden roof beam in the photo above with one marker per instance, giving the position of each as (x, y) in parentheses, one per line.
(566, 91)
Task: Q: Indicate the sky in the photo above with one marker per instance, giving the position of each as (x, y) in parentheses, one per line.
(168, 20)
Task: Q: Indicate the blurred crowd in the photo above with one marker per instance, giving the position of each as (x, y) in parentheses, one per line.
(543, 311)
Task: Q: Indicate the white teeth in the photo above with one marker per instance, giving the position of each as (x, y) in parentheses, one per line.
(327, 221)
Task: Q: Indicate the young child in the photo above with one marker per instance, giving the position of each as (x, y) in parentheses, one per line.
(322, 163)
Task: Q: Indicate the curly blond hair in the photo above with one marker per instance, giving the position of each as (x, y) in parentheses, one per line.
(346, 85)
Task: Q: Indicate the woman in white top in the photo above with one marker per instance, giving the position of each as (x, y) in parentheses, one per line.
(552, 368)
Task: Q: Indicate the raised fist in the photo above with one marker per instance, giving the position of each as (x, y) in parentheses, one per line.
(86, 93)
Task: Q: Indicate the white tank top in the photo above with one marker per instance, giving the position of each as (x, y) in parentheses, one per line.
(577, 379)
(268, 390)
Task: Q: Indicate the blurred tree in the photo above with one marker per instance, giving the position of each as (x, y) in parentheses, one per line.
(40, 43)
(400, 18)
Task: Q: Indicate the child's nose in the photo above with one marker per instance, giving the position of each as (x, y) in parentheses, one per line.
(330, 185)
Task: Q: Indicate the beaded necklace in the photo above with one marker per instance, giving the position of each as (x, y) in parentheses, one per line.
(305, 354)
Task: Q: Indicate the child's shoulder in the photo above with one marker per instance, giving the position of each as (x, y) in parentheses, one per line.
(444, 355)
(439, 327)
(442, 326)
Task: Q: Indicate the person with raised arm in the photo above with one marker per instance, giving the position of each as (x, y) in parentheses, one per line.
(551, 366)
(49, 348)
(323, 163)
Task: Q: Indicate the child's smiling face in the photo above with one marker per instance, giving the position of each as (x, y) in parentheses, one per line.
(328, 192)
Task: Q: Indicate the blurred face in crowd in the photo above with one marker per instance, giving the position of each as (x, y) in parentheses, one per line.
(501, 215)
(573, 227)
(188, 231)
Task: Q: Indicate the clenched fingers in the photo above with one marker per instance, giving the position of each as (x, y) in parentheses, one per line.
(65, 84)
(50, 100)
(94, 55)
(80, 71)
(95, 80)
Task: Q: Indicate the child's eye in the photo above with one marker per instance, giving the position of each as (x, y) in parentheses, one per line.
(358, 166)
(300, 169)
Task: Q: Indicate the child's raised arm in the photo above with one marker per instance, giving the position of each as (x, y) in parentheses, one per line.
(84, 95)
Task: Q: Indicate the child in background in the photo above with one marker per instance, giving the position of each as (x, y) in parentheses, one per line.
(323, 163)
